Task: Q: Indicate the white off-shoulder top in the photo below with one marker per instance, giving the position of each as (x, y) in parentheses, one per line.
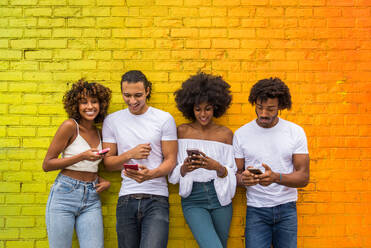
(223, 153)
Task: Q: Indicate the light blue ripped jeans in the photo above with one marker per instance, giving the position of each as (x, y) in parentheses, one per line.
(74, 204)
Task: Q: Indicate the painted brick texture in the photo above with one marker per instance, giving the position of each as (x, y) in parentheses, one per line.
(320, 48)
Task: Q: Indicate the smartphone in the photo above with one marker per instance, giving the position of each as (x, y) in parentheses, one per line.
(192, 151)
(131, 166)
(255, 171)
(104, 151)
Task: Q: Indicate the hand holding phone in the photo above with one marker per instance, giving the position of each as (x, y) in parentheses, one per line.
(255, 171)
(193, 152)
(131, 166)
(104, 151)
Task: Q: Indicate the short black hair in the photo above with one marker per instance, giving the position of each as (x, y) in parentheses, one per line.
(82, 89)
(203, 88)
(136, 76)
(271, 88)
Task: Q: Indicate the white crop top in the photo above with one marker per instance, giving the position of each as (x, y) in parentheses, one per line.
(78, 146)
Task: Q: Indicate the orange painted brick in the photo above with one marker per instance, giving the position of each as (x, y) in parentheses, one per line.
(212, 11)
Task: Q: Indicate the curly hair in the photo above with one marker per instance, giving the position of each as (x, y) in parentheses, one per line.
(82, 89)
(201, 88)
(271, 88)
(135, 76)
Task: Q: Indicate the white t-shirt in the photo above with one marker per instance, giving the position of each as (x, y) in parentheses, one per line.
(127, 131)
(223, 153)
(274, 147)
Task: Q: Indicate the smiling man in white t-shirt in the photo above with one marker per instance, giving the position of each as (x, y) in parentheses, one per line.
(278, 150)
(147, 137)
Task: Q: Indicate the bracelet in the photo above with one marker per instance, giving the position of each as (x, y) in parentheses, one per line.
(225, 173)
(280, 177)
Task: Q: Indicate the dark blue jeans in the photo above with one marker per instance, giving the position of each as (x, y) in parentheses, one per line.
(142, 222)
(274, 225)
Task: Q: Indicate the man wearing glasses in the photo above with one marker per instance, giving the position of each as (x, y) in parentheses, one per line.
(272, 159)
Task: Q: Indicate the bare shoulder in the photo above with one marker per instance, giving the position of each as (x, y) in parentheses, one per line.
(183, 129)
(67, 128)
(226, 134)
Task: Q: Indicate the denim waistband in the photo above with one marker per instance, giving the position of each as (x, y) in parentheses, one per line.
(141, 196)
(203, 183)
(65, 178)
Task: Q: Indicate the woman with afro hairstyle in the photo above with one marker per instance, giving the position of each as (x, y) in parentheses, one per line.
(73, 200)
(206, 167)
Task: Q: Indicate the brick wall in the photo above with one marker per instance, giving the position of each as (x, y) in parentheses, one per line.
(321, 48)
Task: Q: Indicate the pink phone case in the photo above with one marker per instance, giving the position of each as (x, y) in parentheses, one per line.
(104, 151)
(131, 166)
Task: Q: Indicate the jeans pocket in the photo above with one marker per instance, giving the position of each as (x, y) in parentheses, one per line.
(122, 202)
(163, 201)
(63, 187)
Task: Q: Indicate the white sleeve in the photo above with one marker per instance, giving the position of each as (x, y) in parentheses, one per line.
(169, 129)
(226, 187)
(185, 183)
(107, 132)
(238, 152)
(301, 146)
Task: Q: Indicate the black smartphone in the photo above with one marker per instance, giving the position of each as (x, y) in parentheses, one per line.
(255, 171)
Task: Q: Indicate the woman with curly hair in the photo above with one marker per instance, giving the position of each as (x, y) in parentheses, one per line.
(206, 167)
(73, 200)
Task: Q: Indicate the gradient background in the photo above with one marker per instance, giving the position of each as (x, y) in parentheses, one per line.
(320, 48)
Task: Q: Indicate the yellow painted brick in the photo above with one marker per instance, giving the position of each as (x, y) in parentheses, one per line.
(46, 131)
(167, 22)
(45, 244)
(9, 233)
(67, 12)
(23, 2)
(170, 44)
(50, 109)
(242, 33)
(184, 32)
(93, 32)
(42, 33)
(197, 2)
(52, 43)
(2, 131)
(156, 11)
(24, 65)
(212, 11)
(81, 22)
(11, 33)
(225, 43)
(242, 12)
(140, 65)
(110, 3)
(67, 76)
(139, 2)
(33, 211)
(52, 2)
(67, 54)
(10, 54)
(125, 11)
(169, 2)
(9, 142)
(113, 65)
(20, 244)
(42, 54)
(183, 12)
(5, 12)
(168, 66)
(19, 132)
(81, 2)
(126, 32)
(9, 120)
(110, 22)
(95, 11)
(37, 76)
(20, 222)
(138, 22)
(270, 33)
(38, 12)
(23, 22)
(17, 176)
(155, 33)
(9, 187)
(3, 86)
(139, 43)
(53, 66)
(186, 54)
(82, 65)
(157, 76)
(98, 55)
(155, 54)
(33, 187)
(34, 121)
(107, 44)
(67, 32)
(197, 22)
(22, 109)
(4, 43)
(223, 22)
(10, 98)
(204, 43)
(213, 32)
(47, 22)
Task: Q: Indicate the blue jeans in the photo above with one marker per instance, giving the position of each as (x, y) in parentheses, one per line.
(74, 204)
(142, 221)
(207, 219)
(273, 225)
